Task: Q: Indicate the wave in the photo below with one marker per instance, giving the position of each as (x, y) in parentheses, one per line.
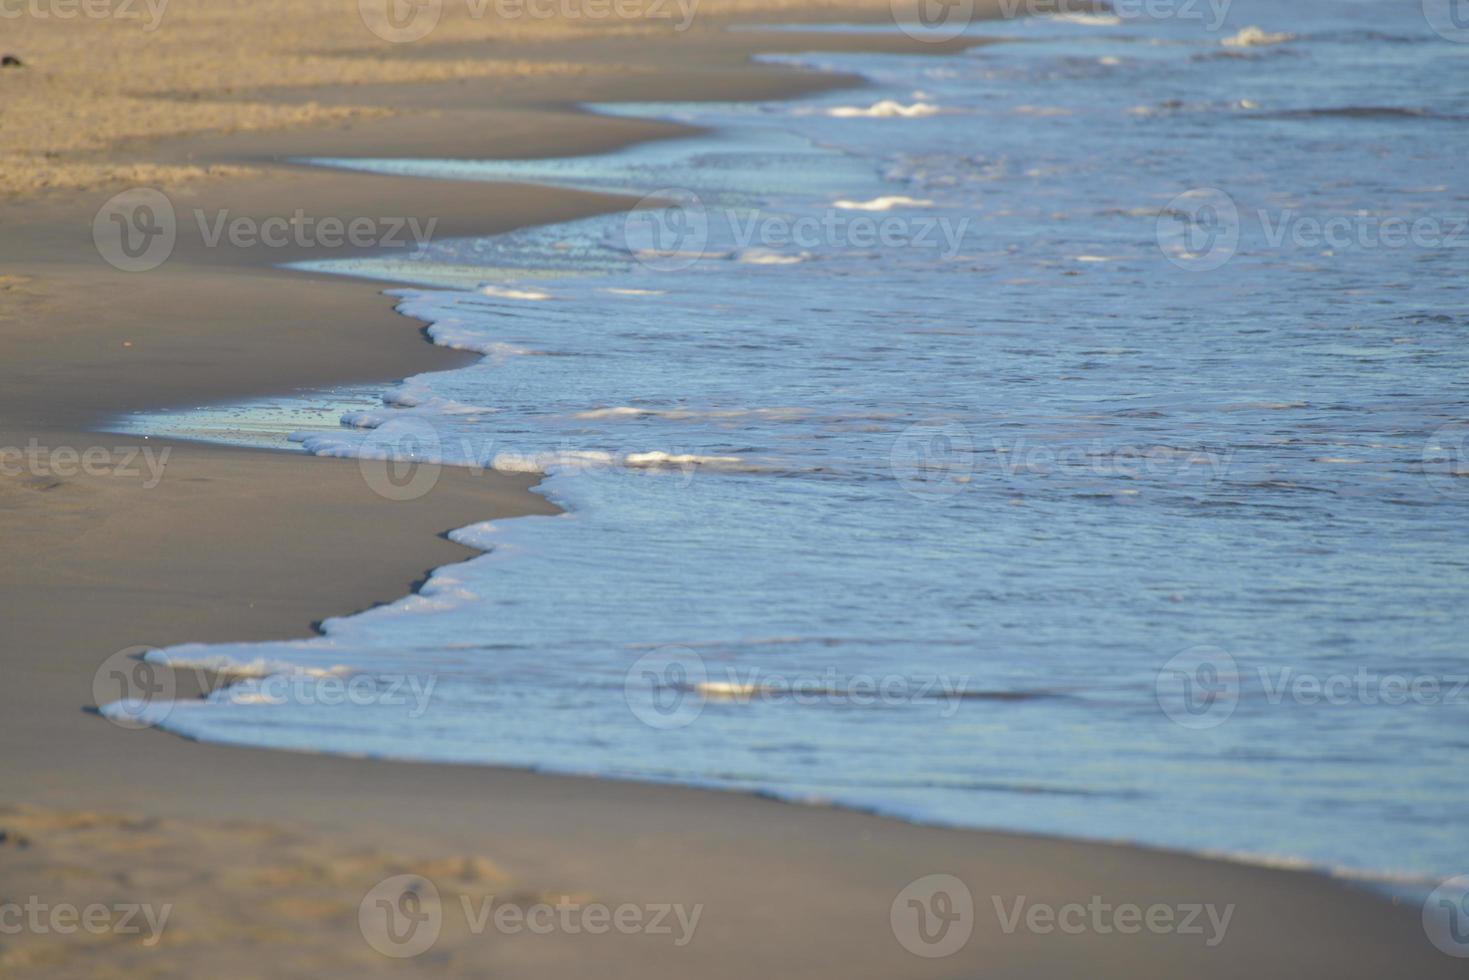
(1255, 37)
(582, 460)
(687, 415)
(769, 256)
(505, 292)
(885, 109)
(885, 203)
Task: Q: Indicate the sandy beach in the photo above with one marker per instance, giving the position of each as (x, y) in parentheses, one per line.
(264, 860)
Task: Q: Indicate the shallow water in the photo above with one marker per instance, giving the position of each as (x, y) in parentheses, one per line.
(1094, 482)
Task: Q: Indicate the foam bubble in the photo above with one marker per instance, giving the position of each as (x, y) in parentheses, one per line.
(1254, 37)
(885, 109)
(886, 203)
(767, 256)
(506, 292)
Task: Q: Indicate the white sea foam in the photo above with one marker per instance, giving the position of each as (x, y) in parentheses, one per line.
(769, 256)
(1090, 20)
(658, 458)
(620, 411)
(886, 203)
(885, 109)
(730, 689)
(454, 335)
(1254, 37)
(511, 462)
(689, 414)
(191, 656)
(506, 292)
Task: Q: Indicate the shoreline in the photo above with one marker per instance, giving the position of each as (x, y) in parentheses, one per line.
(1383, 883)
(735, 846)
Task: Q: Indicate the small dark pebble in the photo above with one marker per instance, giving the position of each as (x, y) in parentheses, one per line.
(11, 61)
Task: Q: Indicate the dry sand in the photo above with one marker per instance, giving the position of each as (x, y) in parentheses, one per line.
(264, 857)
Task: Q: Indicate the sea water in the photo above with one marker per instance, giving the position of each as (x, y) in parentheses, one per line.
(1064, 436)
